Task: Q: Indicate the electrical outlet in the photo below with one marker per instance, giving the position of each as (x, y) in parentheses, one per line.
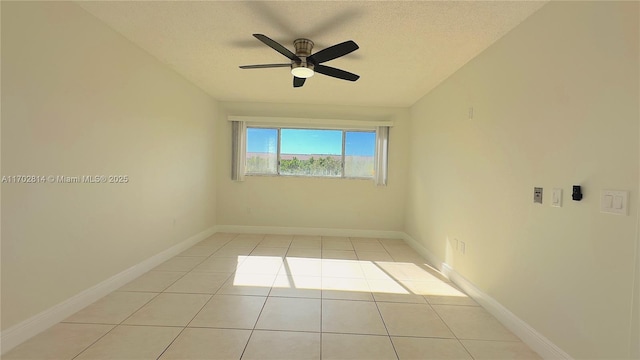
(462, 247)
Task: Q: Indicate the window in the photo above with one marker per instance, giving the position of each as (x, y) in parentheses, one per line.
(335, 148)
(310, 152)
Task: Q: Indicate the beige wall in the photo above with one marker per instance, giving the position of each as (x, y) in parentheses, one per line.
(313, 202)
(79, 99)
(555, 104)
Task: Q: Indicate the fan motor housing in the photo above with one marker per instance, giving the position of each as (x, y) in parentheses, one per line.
(303, 51)
(303, 47)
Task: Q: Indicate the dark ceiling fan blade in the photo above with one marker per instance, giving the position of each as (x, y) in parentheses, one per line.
(298, 82)
(277, 47)
(264, 66)
(334, 51)
(336, 73)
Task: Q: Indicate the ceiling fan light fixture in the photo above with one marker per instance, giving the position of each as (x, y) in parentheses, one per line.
(302, 72)
(304, 64)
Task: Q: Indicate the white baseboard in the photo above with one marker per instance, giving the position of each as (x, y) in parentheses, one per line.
(536, 341)
(25, 330)
(381, 234)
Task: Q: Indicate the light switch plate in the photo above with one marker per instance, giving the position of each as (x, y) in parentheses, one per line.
(614, 202)
(556, 198)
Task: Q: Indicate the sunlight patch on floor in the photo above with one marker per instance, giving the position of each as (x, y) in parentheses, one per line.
(342, 275)
(255, 280)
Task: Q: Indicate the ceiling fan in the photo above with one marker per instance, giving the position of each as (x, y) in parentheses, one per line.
(304, 64)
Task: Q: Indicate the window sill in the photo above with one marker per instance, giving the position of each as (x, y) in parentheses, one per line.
(308, 177)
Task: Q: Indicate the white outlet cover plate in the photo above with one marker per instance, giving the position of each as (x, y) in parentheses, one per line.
(614, 202)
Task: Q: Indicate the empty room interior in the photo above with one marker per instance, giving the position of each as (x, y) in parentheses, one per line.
(320, 180)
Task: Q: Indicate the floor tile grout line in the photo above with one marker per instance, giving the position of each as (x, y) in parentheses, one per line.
(389, 335)
(286, 330)
(300, 331)
(254, 325)
(199, 311)
(119, 324)
(452, 332)
(139, 308)
(184, 273)
(496, 341)
(387, 330)
(184, 327)
(153, 298)
(171, 343)
(94, 342)
(282, 264)
(465, 348)
(321, 307)
(138, 325)
(355, 333)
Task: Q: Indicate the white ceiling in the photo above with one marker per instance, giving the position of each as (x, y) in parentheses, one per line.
(406, 47)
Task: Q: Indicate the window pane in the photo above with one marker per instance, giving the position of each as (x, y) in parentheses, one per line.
(262, 151)
(359, 154)
(311, 152)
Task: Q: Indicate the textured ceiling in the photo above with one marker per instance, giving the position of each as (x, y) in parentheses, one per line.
(406, 48)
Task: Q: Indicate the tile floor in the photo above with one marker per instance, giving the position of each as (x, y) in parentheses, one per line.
(239, 296)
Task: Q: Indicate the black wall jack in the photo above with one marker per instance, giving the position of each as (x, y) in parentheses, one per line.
(577, 193)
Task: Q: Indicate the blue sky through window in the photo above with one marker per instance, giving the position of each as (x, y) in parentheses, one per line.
(305, 141)
(262, 140)
(311, 141)
(360, 143)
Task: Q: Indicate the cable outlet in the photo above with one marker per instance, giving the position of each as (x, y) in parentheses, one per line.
(537, 195)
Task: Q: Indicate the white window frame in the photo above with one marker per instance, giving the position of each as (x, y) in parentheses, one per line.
(342, 155)
(241, 123)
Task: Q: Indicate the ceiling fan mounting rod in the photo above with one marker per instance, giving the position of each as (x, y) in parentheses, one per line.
(303, 47)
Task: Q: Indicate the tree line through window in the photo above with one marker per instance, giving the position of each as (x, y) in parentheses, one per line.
(310, 152)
